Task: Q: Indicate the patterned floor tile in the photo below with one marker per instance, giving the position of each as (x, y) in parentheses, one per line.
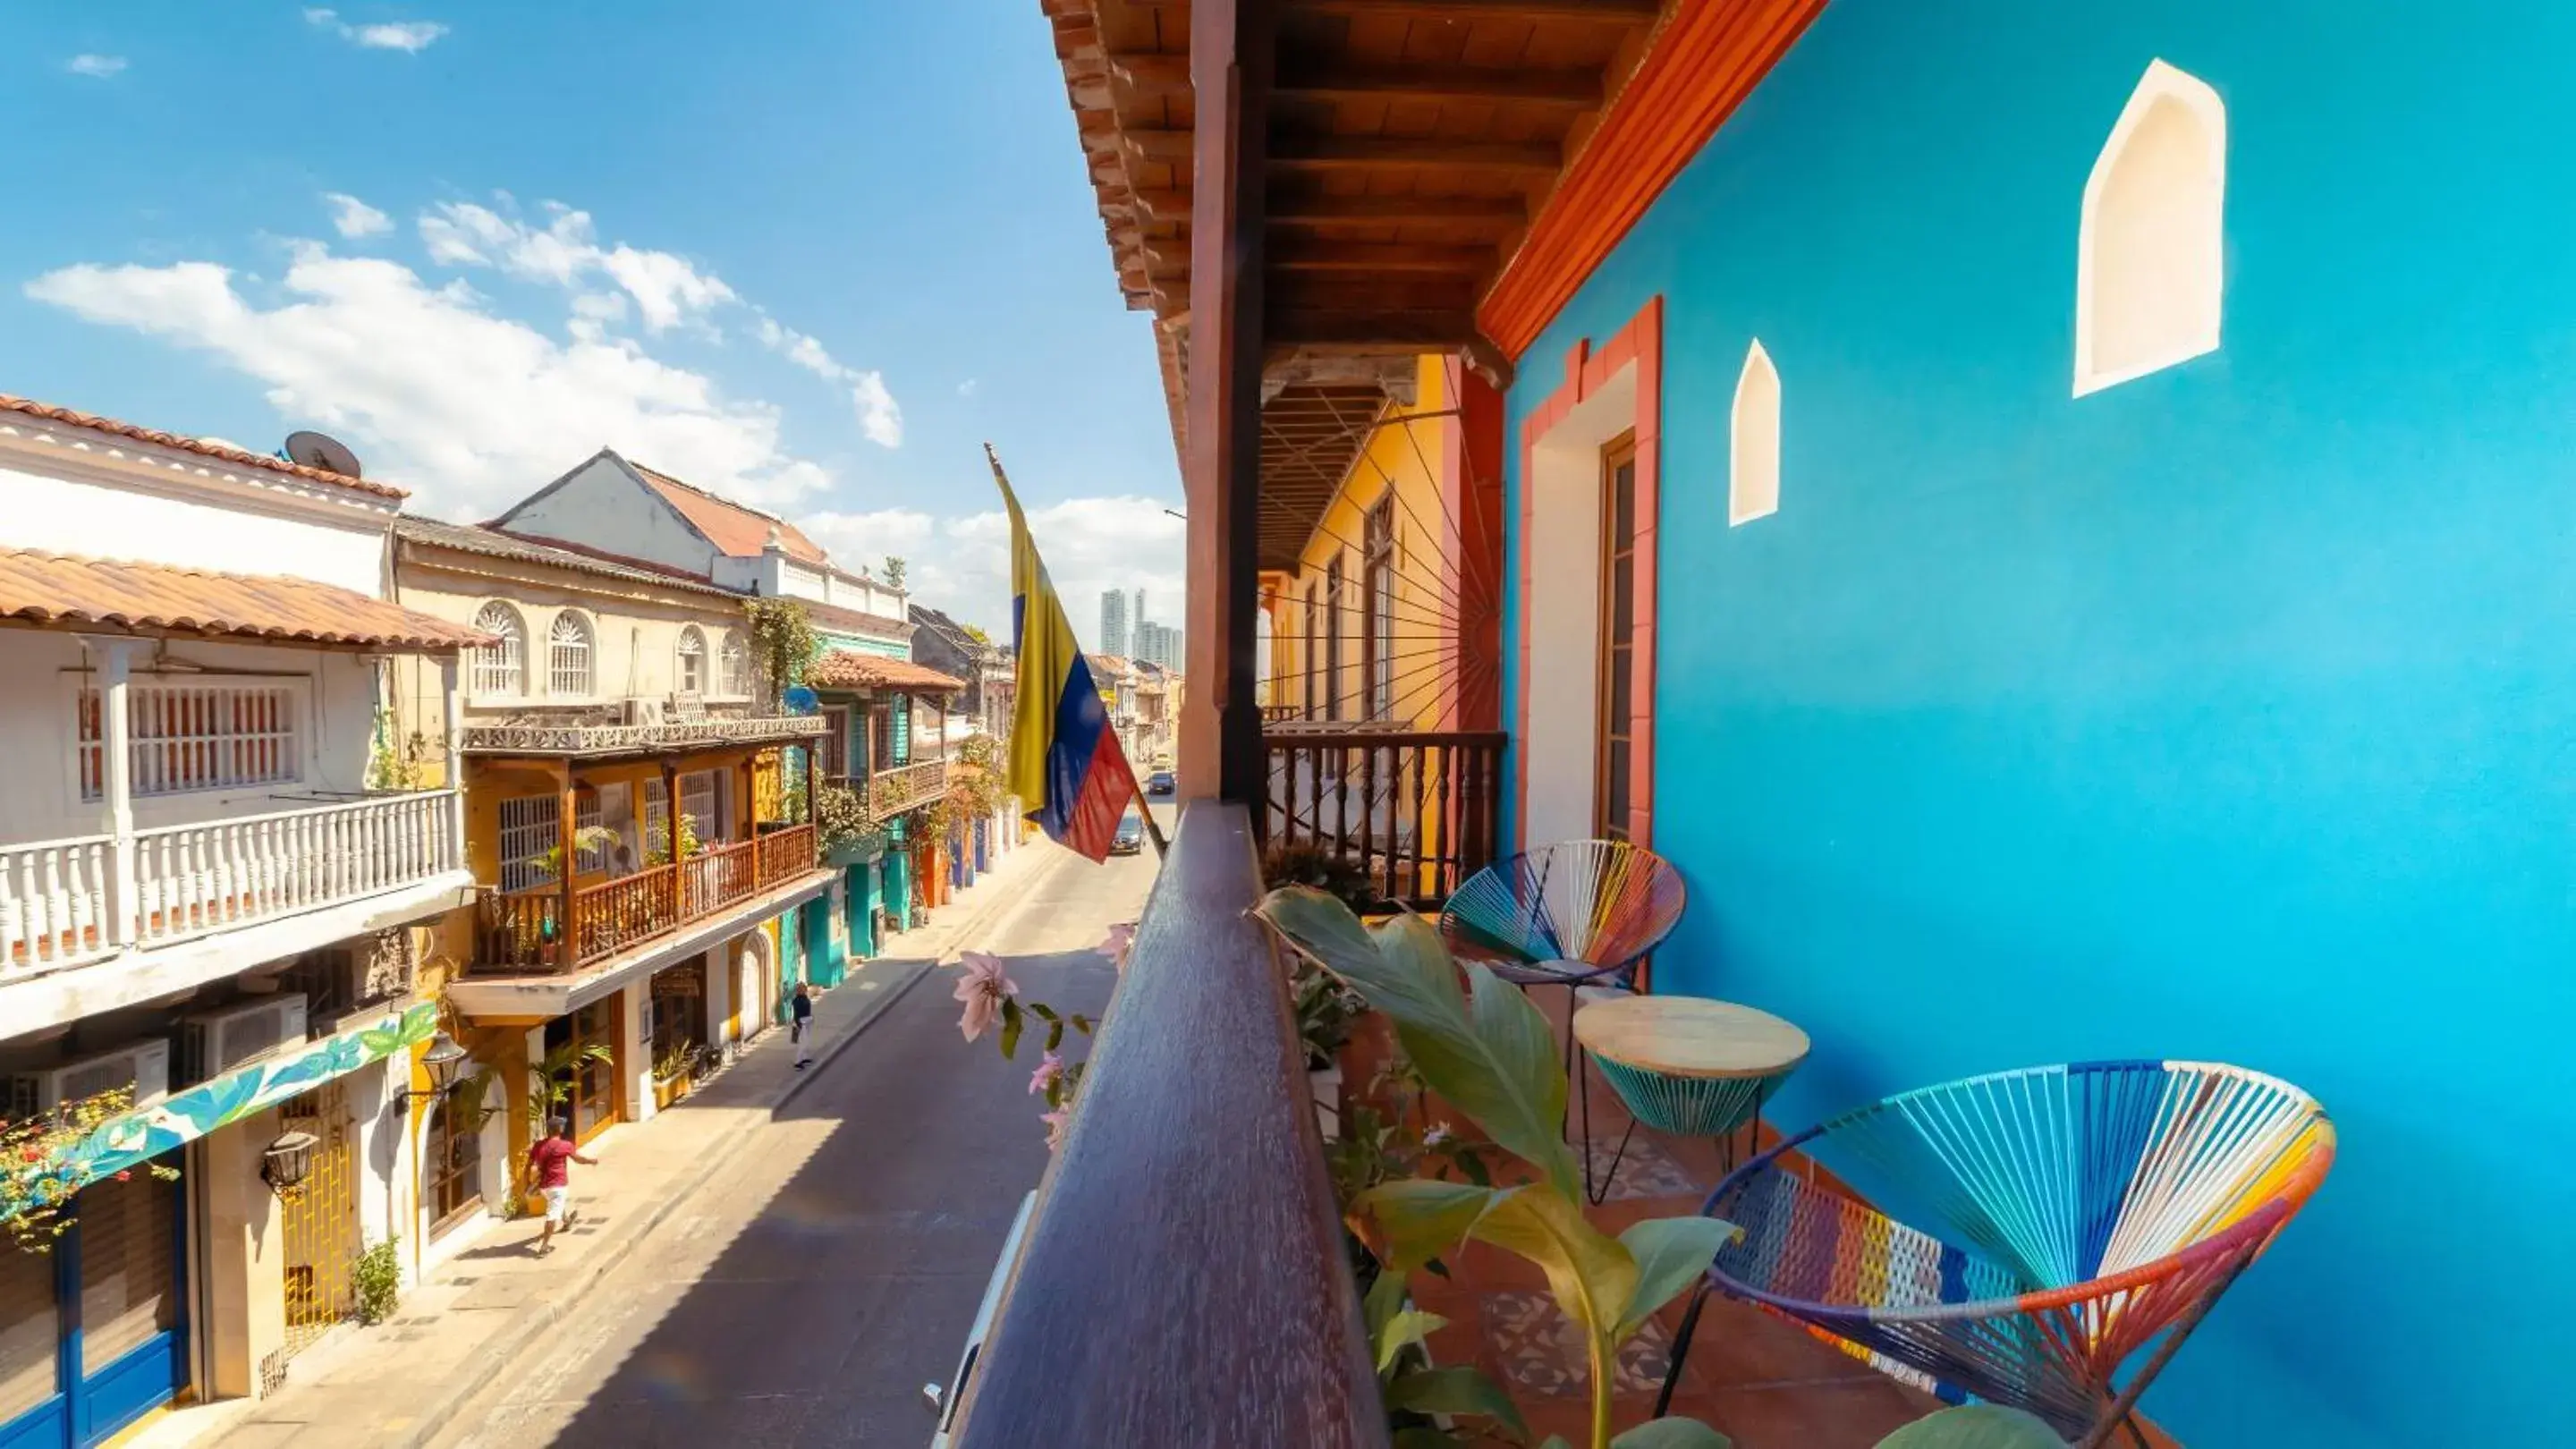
(1540, 1351)
(1645, 1170)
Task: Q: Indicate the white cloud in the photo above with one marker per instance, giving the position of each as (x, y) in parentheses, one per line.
(469, 409)
(99, 67)
(354, 218)
(565, 252)
(963, 564)
(880, 417)
(967, 388)
(409, 36)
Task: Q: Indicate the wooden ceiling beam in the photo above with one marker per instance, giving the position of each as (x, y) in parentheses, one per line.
(1165, 205)
(1171, 147)
(1324, 153)
(1332, 256)
(1152, 75)
(1577, 88)
(1397, 210)
(1298, 327)
(1619, 12)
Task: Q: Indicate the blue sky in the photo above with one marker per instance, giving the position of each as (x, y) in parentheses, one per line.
(809, 254)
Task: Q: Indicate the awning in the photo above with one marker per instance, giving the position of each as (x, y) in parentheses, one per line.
(61, 591)
(175, 1121)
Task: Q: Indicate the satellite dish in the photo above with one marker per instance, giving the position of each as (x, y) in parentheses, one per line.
(321, 450)
(800, 700)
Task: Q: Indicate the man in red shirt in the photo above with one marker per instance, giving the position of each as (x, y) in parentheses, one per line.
(549, 1162)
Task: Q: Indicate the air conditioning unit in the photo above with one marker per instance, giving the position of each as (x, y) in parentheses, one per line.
(218, 1041)
(643, 711)
(143, 1068)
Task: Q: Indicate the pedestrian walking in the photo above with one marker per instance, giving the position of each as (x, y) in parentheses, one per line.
(802, 1009)
(550, 1163)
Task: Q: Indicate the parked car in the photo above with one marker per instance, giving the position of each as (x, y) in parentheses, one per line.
(1161, 783)
(1131, 835)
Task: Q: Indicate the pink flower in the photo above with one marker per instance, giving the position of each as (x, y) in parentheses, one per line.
(983, 988)
(1122, 939)
(1049, 1068)
(1056, 1122)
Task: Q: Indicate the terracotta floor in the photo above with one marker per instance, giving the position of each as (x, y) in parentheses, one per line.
(1763, 1381)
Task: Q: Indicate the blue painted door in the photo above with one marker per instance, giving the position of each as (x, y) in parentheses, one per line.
(825, 965)
(94, 1335)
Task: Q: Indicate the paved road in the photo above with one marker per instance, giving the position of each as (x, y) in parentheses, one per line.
(809, 1293)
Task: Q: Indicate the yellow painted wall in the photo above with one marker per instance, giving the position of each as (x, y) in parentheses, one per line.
(1403, 458)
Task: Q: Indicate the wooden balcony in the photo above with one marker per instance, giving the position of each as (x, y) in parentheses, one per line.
(527, 932)
(889, 793)
(1413, 809)
(1185, 1280)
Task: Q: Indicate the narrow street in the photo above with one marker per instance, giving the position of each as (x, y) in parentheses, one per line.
(836, 1266)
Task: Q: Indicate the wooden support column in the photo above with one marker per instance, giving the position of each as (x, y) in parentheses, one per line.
(116, 736)
(567, 828)
(1232, 43)
(1471, 468)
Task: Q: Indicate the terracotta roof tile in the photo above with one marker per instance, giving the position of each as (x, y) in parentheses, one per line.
(63, 592)
(736, 531)
(843, 669)
(225, 451)
(534, 548)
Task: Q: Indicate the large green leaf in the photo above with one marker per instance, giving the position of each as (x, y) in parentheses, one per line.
(1671, 1434)
(1489, 1055)
(1456, 1390)
(1385, 1296)
(1591, 1274)
(1403, 1331)
(1671, 1254)
(1975, 1426)
(1422, 1218)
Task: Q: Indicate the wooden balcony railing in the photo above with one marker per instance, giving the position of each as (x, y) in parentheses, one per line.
(1184, 1280)
(904, 786)
(889, 793)
(524, 932)
(1415, 810)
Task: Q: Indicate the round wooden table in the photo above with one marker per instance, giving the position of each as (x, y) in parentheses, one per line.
(1688, 1065)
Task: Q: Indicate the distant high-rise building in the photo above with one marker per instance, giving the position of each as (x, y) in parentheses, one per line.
(1158, 645)
(1140, 615)
(1113, 620)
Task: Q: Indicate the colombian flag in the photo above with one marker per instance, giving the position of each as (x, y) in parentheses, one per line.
(1065, 759)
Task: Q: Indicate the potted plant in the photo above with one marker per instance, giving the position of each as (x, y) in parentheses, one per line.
(673, 1071)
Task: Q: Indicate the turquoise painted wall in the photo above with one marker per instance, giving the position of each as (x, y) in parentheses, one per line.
(2223, 714)
(862, 644)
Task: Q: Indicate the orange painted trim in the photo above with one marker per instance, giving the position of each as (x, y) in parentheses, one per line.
(1708, 58)
(1587, 370)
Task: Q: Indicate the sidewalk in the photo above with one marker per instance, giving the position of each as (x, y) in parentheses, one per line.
(395, 1385)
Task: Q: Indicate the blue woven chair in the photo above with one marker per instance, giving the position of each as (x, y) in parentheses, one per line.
(1580, 913)
(2019, 1236)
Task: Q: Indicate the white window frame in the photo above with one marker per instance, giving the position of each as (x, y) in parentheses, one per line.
(585, 657)
(736, 668)
(508, 677)
(88, 762)
(525, 839)
(690, 676)
(702, 799)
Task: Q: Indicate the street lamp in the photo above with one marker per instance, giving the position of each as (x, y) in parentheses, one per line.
(444, 1059)
(288, 1161)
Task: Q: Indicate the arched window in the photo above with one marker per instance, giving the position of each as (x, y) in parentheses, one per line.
(693, 661)
(453, 1159)
(737, 666)
(501, 667)
(1753, 453)
(568, 656)
(2151, 252)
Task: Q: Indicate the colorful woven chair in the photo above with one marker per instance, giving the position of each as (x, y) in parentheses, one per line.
(1581, 913)
(2018, 1236)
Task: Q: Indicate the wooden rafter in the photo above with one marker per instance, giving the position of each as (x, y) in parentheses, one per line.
(1398, 210)
(1621, 12)
(1579, 87)
(1331, 256)
(1364, 153)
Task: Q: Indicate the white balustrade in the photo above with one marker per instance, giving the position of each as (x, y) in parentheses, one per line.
(195, 878)
(56, 896)
(53, 902)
